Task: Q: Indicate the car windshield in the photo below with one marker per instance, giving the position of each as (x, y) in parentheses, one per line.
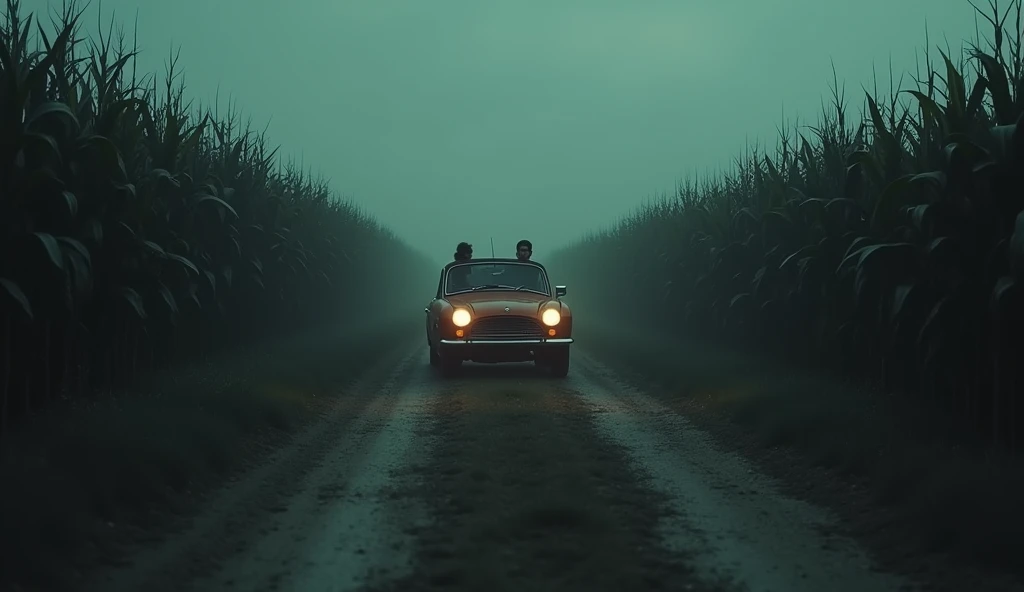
(475, 277)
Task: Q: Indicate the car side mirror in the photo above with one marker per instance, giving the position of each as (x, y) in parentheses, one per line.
(559, 291)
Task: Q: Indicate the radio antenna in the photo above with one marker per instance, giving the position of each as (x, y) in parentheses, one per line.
(492, 247)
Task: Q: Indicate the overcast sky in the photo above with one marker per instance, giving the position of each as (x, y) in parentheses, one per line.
(515, 119)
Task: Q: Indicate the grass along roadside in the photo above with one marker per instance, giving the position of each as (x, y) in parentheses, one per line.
(80, 482)
(897, 479)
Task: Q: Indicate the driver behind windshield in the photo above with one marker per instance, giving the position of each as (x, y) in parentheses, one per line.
(525, 276)
(500, 276)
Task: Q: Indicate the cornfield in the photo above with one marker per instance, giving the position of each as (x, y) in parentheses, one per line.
(138, 230)
(888, 249)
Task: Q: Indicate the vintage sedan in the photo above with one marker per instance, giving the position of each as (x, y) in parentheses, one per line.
(498, 310)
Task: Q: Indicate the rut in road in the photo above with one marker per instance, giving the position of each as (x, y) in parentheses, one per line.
(503, 479)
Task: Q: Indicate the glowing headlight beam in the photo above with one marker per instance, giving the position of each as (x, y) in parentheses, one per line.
(461, 317)
(551, 317)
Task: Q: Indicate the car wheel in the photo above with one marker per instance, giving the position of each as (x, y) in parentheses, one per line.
(559, 364)
(450, 367)
(435, 359)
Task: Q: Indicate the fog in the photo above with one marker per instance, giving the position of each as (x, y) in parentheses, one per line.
(452, 121)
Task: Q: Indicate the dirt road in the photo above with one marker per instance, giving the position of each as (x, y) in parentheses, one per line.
(502, 479)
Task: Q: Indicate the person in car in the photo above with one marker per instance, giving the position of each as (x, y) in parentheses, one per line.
(458, 278)
(523, 276)
(524, 250)
(463, 252)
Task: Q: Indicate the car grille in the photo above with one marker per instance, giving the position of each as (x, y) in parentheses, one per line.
(506, 327)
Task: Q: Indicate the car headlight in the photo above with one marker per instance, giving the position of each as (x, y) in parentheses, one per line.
(461, 317)
(551, 317)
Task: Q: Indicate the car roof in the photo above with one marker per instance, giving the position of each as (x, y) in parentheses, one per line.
(493, 260)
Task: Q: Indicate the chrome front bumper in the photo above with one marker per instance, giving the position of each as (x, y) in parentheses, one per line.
(467, 342)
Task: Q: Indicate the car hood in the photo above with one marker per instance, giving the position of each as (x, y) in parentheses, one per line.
(495, 303)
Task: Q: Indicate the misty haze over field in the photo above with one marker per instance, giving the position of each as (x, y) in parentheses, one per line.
(465, 120)
(222, 367)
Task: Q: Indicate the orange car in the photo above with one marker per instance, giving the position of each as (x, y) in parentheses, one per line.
(498, 310)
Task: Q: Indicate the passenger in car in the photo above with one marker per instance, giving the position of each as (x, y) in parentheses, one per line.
(458, 278)
(463, 252)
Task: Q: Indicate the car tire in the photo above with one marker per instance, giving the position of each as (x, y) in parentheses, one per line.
(558, 364)
(435, 360)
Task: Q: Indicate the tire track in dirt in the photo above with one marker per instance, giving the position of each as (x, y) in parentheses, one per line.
(731, 519)
(314, 509)
(525, 494)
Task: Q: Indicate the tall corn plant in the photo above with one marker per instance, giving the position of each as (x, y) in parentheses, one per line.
(137, 229)
(891, 248)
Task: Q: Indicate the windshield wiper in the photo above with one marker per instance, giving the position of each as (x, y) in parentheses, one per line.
(490, 286)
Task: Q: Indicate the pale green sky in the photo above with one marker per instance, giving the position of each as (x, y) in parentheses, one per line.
(533, 119)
